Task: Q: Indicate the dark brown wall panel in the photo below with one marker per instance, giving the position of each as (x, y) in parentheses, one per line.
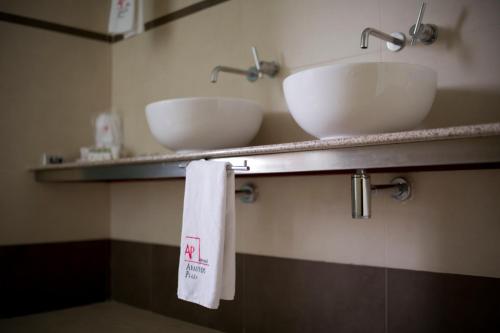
(43, 277)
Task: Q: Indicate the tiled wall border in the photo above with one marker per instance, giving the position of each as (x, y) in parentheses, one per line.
(45, 25)
(290, 295)
(273, 294)
(102, 37)
(44, 277)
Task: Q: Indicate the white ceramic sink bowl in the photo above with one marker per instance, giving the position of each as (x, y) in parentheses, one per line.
(201, 123)
(360, 98)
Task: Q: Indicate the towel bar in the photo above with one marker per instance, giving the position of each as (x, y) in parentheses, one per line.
(247, 192)
(243, 167)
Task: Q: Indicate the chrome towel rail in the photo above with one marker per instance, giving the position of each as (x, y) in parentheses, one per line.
(243, 167)
(248, 192)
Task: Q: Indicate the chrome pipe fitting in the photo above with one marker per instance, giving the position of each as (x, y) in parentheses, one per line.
(361, 189)
(360, 195)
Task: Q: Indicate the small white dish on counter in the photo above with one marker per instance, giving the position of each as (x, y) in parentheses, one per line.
(360, 98)
(202, 123)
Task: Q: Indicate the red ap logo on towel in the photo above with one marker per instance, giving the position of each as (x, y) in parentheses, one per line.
(192, 250)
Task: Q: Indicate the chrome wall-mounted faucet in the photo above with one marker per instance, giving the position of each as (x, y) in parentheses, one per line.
(250, 75)
(269, 68)
(396, 41)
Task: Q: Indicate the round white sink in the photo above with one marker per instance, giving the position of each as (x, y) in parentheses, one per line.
(360, 98)
(201, 123)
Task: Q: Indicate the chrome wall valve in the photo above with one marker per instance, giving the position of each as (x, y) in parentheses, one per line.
(422, 32)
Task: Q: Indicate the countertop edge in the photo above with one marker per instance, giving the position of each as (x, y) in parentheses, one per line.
(422, 135)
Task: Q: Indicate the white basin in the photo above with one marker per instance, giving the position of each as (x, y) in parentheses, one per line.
(360, 98)
(201, 123)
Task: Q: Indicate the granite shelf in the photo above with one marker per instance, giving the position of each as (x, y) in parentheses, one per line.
(451, 148)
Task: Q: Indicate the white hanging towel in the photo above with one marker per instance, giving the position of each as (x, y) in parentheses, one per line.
(126, 17)
(207, 258)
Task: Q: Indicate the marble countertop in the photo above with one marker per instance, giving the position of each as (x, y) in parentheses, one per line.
(423, 135)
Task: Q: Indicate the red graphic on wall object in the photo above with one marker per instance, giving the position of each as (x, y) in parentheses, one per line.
(192, 251)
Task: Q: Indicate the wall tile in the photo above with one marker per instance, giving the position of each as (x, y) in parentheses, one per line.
(131, 270)
(467, 66)
(463, 15)
(50, 86)
(32, 212)
(400, 15)
(44, 277)
(316, 224)
(284, 295)
(308, 32)
(90, 14)
(460, 236)
(429, 302)
(308, 217)
(154, 216)
(154, 8)
(288, 295)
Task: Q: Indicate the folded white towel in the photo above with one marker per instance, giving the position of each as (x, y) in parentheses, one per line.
(207, 258)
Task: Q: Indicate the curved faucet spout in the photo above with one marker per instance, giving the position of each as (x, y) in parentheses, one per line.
(379, 34)
(270, 68)
(214, 75)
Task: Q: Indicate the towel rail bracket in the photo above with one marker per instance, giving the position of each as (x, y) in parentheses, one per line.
(247, 193)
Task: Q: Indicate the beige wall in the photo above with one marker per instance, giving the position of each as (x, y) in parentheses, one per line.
(175, 60)
(452, 223)
(50, 86)
(85, 14)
